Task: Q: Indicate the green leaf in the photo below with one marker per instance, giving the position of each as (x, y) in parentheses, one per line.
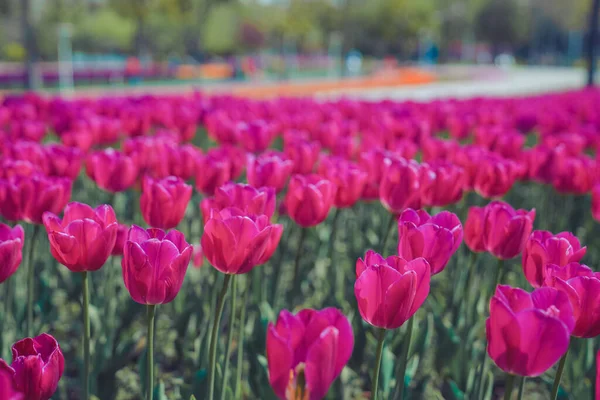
(159, 391)
(387, 370)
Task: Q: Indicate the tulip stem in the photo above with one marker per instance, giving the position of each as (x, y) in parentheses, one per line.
(213, 337)
(151, 311)
(296, 282)
(404, 360)
(521, 388)
(229, 335)
(31, 280)
(240, 353)
(508, 386)
(386, 234)
(558, 377)
(86, 335)
(380, 340)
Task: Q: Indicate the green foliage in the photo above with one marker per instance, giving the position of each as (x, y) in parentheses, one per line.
(13, 52)
(104, 30)
(220, 32)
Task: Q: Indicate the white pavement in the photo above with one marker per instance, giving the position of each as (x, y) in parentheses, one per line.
(519, 81)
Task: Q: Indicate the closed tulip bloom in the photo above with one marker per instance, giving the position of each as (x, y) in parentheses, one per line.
(235, 242)
(596, 202)
(400, 186)
(309, 199)
(582, 286)
(433, 238)
(85, 237)
(255, 136)
(163, 202)
(28, 198)
(112, 170)
(495, 177)
(154, 264)
(212, 171)
(303, 153)
(122, 231)
(348, 178)
(474, 229)
(544, 248)
(506, 230)
(11, 250)
(8, 390)
(373, 162)
(37, 366)
(306, 352)
(389, 291)
(528, 333)
(573, 175)
(245, 197)
(64, 161)
(271, 168)
(443, 185)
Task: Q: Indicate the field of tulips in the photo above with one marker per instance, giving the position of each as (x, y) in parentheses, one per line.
(337, 250)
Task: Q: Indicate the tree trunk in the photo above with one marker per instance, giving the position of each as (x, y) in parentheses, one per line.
(592, 44)
(28, 44)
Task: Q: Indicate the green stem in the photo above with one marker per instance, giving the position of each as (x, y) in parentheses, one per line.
(229, 335)
(558, 377)
(240, 353)
(277, 270)
(332, 236)
(214, 339)
(86, 335)
(521, 388)
(31, 280)
(404, 360)
(380, 341)
(386, 235)
(499, 275)
(296, 282)
(508, 387)
(151, 311)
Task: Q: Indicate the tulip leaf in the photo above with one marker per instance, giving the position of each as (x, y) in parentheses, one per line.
(159, 391)
(387, 370)
(192, 397)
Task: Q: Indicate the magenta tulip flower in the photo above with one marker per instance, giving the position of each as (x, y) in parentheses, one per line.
(543, 248)
(154, 264)
(11, 250)
(163, 202)
(306, 352)
(433, 238)
(309, 199)
(37, 366)
(527, 333)
(234, 242)
(245, 197)
(389, 291)
(506, 230)
(270, 168)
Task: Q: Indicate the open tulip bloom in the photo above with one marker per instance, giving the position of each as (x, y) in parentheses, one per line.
(306, 352)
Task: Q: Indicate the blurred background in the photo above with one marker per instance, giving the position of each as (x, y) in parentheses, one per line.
(86, 43)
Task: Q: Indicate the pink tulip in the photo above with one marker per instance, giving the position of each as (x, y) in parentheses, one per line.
(443, 185)
(544, 248)
(112, 170)
(506, 230)
(474, 227)
(433, 238)
(309, 199)
(37, 366)
(154, 264)
(242, 196)
(527, 333)
(348, 178)
(235, 242)
(390, 291)
(306, 352)
(85, 237)
(400, 186)
(11, 250)
(163, 202)
(269, 169)
(303, 153)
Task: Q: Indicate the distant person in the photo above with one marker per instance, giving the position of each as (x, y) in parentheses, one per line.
(133, 70)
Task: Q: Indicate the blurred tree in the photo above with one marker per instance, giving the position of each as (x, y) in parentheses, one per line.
(251, 37)
(138, 11)
(500, 23)
(104, 31)
(220, 31)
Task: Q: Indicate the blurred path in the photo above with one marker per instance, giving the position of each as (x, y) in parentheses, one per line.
(514, 82)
